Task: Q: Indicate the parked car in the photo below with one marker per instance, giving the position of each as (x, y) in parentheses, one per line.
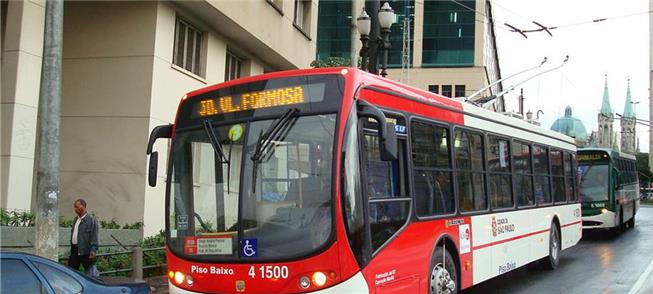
(646, 193)
(27, 273)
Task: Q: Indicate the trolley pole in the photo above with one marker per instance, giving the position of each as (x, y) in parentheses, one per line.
(47, 216)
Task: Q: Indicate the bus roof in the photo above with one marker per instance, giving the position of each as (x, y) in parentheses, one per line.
(363, 78)
(611, 152)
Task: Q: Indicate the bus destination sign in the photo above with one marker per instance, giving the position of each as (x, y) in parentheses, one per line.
(249, 101)
(592, 157)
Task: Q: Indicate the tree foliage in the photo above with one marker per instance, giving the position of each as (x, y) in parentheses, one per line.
(331, 62)
(643, 169)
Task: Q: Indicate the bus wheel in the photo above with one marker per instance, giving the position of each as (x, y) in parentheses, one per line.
(551, 262)
(631, 222)
(443, 278)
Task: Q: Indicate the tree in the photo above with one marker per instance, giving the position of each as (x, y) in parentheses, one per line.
(643, 170)
(331, 62)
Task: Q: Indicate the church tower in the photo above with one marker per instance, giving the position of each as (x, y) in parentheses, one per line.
(605, 119)
(628, 120)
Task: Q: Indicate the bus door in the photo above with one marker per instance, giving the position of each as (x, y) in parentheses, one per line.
(387, 200)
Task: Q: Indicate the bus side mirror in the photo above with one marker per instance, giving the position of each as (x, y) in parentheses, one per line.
(152, 170)
(162, 131)
(387, 133)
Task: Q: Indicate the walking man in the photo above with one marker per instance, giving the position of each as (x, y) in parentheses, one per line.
(83, 239)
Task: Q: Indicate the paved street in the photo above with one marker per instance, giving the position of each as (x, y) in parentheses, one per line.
(598, 264)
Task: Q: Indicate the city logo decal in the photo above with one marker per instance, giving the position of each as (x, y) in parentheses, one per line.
(494, 226)
(240, 286)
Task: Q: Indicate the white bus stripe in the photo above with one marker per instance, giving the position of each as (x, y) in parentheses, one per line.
(642, 278)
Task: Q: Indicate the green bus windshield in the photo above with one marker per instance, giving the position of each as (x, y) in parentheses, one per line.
(594, 182)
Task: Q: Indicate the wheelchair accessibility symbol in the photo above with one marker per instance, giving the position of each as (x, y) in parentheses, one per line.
(249, 248)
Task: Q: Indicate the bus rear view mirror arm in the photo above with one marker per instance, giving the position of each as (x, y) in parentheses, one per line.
(387, 134)
(162, 131)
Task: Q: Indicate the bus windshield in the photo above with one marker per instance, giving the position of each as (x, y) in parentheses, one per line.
(594, 182)
(277, 206)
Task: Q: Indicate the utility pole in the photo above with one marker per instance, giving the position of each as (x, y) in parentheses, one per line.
(47, 194)
(521, 102)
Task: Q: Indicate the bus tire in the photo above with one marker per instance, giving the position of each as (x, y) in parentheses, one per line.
(443, 279)
(553, 260)
(631, 222)
(622, 225)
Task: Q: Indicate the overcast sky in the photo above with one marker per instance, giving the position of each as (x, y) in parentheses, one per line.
(617, 46)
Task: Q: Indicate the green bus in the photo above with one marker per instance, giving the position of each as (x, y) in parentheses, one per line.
(609, 188)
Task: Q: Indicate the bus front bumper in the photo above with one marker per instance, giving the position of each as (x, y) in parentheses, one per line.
(355, 284)
(604, 220)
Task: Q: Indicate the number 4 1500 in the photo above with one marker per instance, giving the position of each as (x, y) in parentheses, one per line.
(270, 272)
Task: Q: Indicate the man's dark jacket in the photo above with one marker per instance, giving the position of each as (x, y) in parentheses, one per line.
(87, 235)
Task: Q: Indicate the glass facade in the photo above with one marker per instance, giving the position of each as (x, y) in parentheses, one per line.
(448, 33)
(402, 8)
(334, 29)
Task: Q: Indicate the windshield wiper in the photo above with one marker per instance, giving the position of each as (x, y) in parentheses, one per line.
(217, 148)
(265, 145)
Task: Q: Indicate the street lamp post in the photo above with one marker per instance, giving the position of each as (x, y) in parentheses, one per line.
(381, 45)
(363, 24)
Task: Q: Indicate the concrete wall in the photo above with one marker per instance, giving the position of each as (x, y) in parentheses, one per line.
(107, 82)
(21, 73)
(22, 238)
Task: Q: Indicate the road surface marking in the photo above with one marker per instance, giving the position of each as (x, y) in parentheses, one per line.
(642, 278)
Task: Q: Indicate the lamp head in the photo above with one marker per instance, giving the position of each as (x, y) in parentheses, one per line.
(363, 23)
(386, 16)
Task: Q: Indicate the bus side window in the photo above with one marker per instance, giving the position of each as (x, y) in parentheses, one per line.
(521, 153)
(432, 170)
(569, 178)
(470, 171)
(499, 179)
(541, 171)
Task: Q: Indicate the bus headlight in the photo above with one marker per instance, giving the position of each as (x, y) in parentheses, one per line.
(604, 210)
(179, 278)
(319, 278)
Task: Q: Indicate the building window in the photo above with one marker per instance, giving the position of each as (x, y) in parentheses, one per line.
(434, 89)
(187, 48)
(460, 91)
(232, 67)
(446, 90)
(402, 10)
(277, 4)
(334, 29)
(448, 33)
(302, 18)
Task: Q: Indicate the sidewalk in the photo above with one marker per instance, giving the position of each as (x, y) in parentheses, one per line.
(158, 284)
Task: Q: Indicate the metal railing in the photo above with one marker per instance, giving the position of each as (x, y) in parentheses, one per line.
(137, 254)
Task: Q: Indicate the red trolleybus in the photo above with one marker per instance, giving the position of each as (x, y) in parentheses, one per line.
(339, 181)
